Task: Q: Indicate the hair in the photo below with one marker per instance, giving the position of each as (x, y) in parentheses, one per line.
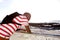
(8, 18)
(28, 15)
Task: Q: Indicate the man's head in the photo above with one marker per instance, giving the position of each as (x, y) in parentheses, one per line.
(28, 15)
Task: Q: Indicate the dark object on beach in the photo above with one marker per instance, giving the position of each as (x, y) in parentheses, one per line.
(8, 18)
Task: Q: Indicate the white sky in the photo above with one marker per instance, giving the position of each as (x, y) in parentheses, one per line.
(41, 10)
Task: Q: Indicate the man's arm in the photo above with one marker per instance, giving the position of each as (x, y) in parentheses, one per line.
(28, 29)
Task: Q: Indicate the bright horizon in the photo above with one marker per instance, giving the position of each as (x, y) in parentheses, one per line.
(41, 10)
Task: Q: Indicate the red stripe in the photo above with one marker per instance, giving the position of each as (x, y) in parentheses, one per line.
(5, 31)
(14, 21)
(23, 20)
(7, 28)
(15, 25)
(12, 27)
(21, 17)
(20, 20)
(4, 34)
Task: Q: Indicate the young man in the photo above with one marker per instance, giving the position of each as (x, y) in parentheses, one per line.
(13, 22)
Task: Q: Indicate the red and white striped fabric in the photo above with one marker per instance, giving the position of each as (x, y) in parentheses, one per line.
(6, 30)
(21, 19)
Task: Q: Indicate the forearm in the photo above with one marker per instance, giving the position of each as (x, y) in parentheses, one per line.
(28, 29)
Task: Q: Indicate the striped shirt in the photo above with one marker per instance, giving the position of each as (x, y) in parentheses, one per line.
(6, 30)
(21, 19)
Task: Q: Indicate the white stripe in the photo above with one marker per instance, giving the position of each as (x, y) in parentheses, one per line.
(2, 36)
(8, 27)
(5, 30)
(20, 22)
(25, 23)
(13, 26)
(7, 37)
(21, 19)
(16, 20)
(22, 16)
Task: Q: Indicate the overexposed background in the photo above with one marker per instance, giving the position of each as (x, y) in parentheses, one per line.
(41, 10)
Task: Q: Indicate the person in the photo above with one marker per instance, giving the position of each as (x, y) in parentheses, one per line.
(13, 22)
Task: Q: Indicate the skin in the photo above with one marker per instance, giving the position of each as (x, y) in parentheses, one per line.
(28, 15)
